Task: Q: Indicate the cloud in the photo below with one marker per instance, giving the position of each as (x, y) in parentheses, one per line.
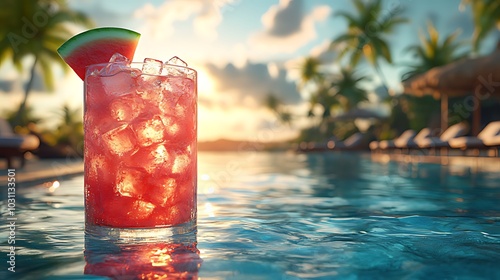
(248, 86)
(287, 27)
(283, 20)
(103, 14)
(324, 52)
(206, 16)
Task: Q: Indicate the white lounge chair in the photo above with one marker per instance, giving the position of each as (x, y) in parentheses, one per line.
(355, 142)
(411, 143)
(454, 131)
(14, 145)
(406, 136)
(487, 138)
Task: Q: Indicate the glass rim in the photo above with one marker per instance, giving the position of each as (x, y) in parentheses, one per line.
(139, 63)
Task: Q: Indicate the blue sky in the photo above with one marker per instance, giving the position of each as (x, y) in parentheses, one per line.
(244, 49)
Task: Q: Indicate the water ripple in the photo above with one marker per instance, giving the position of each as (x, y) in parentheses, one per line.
(282, 216)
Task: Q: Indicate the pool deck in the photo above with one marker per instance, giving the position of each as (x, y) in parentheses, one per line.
(39, 171)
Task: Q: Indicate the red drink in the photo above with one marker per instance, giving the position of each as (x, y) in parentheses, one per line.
(140, 145)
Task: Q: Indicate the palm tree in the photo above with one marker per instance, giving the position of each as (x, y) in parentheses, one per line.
(365, 34)
(325, 98)
(70, 128)
(274, 104)
(27, 117)
(340, 91)
(35, 29)
(348, 91)
(433, 52)
(486, 17)
(311, 74)
(310, 71)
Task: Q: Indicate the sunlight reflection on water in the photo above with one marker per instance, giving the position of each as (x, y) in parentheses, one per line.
(287, 216)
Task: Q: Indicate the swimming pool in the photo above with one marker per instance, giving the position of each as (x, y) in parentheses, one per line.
(287, 216)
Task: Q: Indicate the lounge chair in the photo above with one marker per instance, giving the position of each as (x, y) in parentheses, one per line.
(406, 136)
(454, 131)
(411, 143)
(488, 138)
(355, 142)
(13, 145)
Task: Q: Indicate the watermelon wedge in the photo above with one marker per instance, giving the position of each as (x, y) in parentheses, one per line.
(97, 46)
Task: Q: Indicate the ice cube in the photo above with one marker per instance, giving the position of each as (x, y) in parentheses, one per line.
(119, 140)
(163, 191)
(95, 164)
(152, 66)
(177, 61)
(129, 182)
(178, 86)
(142, 209)
(122, 82)
(127, 108)
(180, 111)
(173, 108)
(149, 130)
(170, 93)
(150, 88)
(117, 63)
(119, 58)
(178, 214)
(171, 127)
(175, 67)
(181, 163)
(150, 158)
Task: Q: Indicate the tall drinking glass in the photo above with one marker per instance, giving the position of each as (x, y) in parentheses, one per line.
(140, 126)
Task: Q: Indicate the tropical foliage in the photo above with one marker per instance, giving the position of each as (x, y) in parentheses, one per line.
(366, 38)
(433, 51)
(486, 17)
(69, 131)
(366, 34)
(348, 89)
(34, 29)
(276, 106)
(310, 71)
(23, 120)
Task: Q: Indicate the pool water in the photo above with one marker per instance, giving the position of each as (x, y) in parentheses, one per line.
(283, 216)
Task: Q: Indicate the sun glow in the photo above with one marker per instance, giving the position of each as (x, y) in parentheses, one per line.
(206, 85)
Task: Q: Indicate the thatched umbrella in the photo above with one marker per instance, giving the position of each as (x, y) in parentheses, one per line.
(477, 77)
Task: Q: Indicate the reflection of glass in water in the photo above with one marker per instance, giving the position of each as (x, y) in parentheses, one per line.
(172, 259)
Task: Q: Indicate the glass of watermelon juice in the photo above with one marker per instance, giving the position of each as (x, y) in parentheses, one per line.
(140, 126)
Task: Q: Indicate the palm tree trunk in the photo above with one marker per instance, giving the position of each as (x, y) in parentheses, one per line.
(382, 77)
(27, 90)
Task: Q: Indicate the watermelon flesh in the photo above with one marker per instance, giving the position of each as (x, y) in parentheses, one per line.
(98, 46)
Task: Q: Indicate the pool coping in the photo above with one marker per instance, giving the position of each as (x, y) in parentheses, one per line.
(39, 171)
(474, 163)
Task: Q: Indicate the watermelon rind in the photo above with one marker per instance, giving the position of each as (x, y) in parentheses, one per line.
(82, 49)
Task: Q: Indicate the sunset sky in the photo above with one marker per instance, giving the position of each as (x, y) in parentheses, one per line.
(243, 50)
